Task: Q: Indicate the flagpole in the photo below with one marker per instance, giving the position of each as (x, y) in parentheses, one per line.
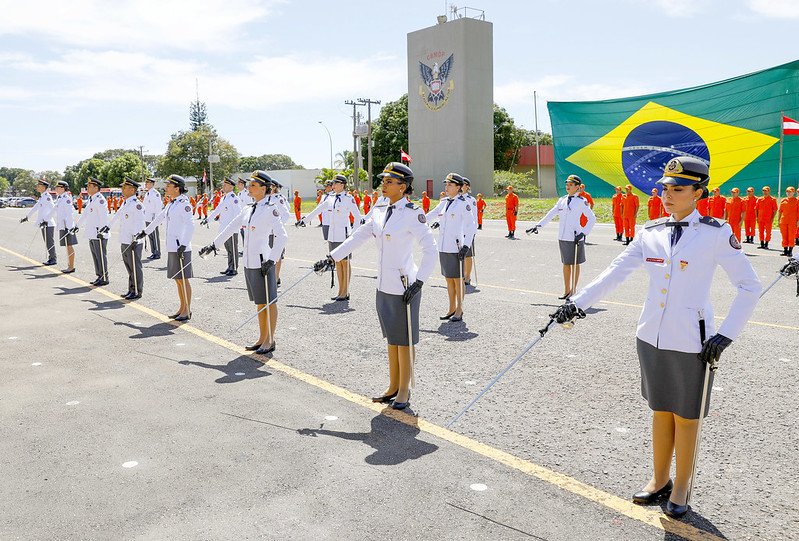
(782, 137)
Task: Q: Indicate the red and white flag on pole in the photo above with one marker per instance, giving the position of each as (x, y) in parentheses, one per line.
(405, 157)
(790, 126)
(205, 178)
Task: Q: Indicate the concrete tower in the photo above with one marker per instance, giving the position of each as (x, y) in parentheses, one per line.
(450, 103)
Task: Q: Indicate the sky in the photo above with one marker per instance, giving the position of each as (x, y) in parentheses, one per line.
(83, 76)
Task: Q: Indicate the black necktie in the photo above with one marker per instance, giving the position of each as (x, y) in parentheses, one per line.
(677, 232)
(449, 202)
(338, 200)
(388, 214)
(569, 201)
(252, 211)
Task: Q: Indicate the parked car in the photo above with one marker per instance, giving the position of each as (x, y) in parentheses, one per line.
(3, 202)
(26, 202)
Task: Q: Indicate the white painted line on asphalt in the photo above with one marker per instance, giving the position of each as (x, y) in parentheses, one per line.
(239, 311)
(73, 403)
(571, 355)
(240, 374)
(718, 388)
(478, 487)
(130, 464)
(36, 364)
(180, 344)
(469, 382)
(621, 430)
(783, 359)
(13, 337)
(331, 418)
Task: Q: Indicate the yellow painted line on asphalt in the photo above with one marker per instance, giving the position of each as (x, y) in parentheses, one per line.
(548, 294)
(614, 503)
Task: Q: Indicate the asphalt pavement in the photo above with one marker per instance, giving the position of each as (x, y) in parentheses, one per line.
(119, 424)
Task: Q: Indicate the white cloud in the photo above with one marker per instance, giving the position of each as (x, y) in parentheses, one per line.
(676, 8)
(84, 77)
(780, 9)
(134, 24)
(561, 87)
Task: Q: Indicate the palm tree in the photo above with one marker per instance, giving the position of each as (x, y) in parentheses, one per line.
(344, 159)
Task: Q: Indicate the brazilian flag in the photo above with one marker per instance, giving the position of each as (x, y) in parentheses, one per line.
(733, 125)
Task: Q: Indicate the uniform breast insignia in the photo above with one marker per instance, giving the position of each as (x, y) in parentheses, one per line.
(235, 201)
(126, 216)
(422, 218)
(655, 260)
(411, 206)
(138, 207)
(734, 242)
(275, 212)
(683, 264)
(653, 223)
(709, 220)
(188, 208)
(468, 208)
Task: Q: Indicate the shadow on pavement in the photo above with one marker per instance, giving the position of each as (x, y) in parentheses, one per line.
(239, 369)
(694, 519)
(105, 305)
(217, 279)
(159, 329)
(335, 307)
(38, 276)
(393, 442)
(455, 331)
(73, 290)
(18, 268)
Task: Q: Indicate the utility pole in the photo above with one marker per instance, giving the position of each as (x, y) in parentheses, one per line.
(144, 167)
(537, 150)
(369, 103)
(355, 178)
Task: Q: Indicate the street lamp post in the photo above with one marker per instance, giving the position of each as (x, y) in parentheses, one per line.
(330, 138)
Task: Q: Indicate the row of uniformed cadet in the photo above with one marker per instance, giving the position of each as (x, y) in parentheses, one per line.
(153, 204)
(676, 334)
(45, 219)
(130, 218)
(94, 219)
(259, 221)
(226, 211)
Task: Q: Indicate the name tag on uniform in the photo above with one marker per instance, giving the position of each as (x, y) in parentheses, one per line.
(655, 260)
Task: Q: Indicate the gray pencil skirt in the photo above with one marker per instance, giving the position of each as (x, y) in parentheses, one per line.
(450, 265)
(567, 252)
(333, 245)
(173, 265)
(393, 316)
(325, 229)
(672, 380)
(256, 285)
(67, 240)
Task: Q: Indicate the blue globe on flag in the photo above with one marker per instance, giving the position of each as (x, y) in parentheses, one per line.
(648, 148)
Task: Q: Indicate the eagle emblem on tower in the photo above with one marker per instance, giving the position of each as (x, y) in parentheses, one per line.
(437, 83)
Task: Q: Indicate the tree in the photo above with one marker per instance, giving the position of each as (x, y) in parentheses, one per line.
(390, 133)
(268, 162)
(345, 159)
(329, 174)
(25, 183)
(10, 173)
(4, 185)
(93, 167)
(187, 154)
(111, 153)
(506, 138)
(198, 116)
(51, 176)
(128, 165)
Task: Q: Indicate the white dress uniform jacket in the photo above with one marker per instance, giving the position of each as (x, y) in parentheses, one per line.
(280, 202)
(472, 203)
(382, 200)
(94, 217)
(338, 207)
(153, 204)
(46, 209)
(394, 240)
(323, 209)
(227, 210)
(259, 222)
(63, 212)
(679, 282)
(455, 224)
(245, 198)
(569, 213)
(131, 217)
(179, 225)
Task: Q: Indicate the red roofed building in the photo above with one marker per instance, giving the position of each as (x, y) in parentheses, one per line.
(526, 162)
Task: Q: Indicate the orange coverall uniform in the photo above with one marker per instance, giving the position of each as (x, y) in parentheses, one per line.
(703, 206)
(789, 213)
(481, 206)
(750, 201)
(590, 200)
(735, 208)
(425, 203)
(766, 209)
(319, 198)
(298, 207)
(718, 204)
(511, 210)
(202, 212)
(629, 213)
(656, 209)
(80, 205)
(617, 201)
(367, 203)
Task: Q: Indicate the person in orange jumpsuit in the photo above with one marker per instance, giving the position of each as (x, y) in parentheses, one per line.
(718, 204)
(734, 212)
(587, 196)
(297, 205)
(617, 201)
(511, 212)
(319, 194)
(217, 199)
(116, 203)
(110, 202)
(750, 216)
(655, 206)
(425, 202)
(367, 202)
(193, 202)
(481, 206)
(357, 197)
(787, 217)
(375, 196)
(629, 213)
(765, 208)
(703, 206)
(79, 203)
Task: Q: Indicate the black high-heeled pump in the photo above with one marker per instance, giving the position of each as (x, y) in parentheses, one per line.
(448, 315)
(385, 399)
(253, 347)
(183, 318)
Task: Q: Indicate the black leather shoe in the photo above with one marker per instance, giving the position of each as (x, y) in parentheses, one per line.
(67, 271)
(676, 511)
(183, 318)
(402, 405)
(456, 318)
(96, 282)
(102, 283)
(173, 316)
(265, 350)
(254, 347)
(134, 297)
(447, 316)
(127, 295)
(156, 256)
(232, 273)
(49, 263)
(226, 271)
(643, 497)
(566, 296)
(385, 399)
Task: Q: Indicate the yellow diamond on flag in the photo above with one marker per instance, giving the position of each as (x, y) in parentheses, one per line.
(636, 150)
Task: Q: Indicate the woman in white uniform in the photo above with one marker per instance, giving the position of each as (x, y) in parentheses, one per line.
(676, 332)
(453, 215)
(395, 225)
(65, 223)
(259, 220)
(571, 234)
(45, 209)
